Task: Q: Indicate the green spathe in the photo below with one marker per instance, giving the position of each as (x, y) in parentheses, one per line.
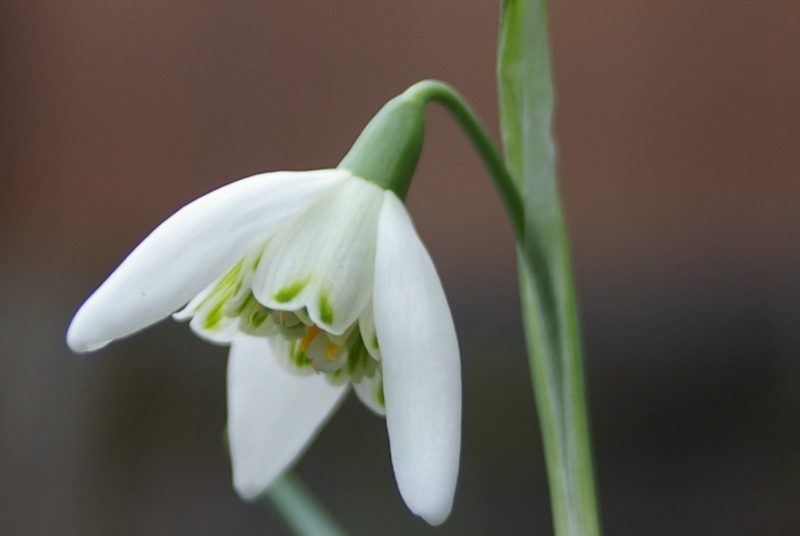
(387, 151)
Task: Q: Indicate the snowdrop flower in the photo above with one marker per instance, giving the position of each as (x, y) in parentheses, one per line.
(318, 281)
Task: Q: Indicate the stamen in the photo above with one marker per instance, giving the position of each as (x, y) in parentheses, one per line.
(311, 332)
(343, 357)
(330, 351)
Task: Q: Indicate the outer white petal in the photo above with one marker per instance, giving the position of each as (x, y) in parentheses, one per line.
(323, 260)
(190, 249)
(421, 368)
(272, 413)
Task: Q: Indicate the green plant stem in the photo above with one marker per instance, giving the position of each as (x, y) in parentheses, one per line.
(300, 510)
(547, 293)
(453, 102)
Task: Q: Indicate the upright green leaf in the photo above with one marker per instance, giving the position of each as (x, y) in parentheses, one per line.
(547, 294)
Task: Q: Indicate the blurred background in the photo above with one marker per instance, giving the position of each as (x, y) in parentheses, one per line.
(678, 134)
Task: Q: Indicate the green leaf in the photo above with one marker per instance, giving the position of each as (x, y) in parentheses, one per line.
(546, 288)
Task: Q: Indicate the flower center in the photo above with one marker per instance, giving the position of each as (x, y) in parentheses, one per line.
(229, 305)
(342, 357)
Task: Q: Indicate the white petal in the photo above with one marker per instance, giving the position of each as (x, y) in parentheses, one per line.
(194, 304)
(222, 333)
(190, 249)
(272, 413)
(370, 392)
(215, 311)
(421, 368)
(324, 259)
(367, 326)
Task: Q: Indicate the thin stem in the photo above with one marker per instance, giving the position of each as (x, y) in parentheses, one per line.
(447, 96)
(300, 510)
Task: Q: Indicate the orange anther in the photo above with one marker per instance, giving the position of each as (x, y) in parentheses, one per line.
(311, 332)
(330, 350)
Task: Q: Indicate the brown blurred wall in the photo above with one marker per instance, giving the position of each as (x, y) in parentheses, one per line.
(678, 132)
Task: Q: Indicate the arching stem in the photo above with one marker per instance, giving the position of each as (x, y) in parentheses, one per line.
(439, 92)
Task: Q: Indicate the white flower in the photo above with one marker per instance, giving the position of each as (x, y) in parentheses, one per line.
(317, 280)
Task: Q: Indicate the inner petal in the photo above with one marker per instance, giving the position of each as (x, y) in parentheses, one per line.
(322, 261)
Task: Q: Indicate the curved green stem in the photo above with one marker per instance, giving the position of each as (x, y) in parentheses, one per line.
(447, 96)
(300, 510)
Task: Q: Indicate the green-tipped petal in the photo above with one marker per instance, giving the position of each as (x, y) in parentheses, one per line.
(323, 260)
(367, 326)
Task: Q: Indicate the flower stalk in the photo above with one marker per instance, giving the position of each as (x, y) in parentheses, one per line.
(300, 510)
(454, 103)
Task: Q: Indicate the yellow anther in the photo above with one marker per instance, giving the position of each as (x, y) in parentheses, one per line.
(311, 332)
(331, 350)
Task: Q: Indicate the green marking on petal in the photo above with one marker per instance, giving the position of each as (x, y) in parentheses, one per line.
(325, 308)
(375, 341)
(226, 287)
(290, 292)
(246, 304)
(297, 356)
(337, 375)
(359, 363)
(380, 397)
(257, 259)
(214, 316)
(233, 273)
(301, 359)
(258, 317)
(354, 356)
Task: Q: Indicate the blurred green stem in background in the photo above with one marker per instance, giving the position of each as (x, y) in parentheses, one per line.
(547, 293)
(300, 510)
